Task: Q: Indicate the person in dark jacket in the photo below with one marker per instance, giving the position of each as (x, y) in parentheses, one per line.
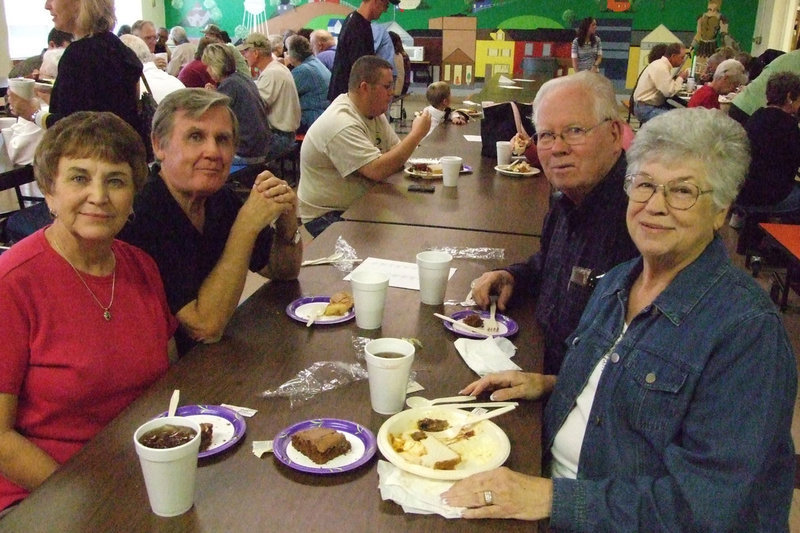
(96, 73)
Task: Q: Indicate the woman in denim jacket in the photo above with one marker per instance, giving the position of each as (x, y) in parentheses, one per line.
(672, 410)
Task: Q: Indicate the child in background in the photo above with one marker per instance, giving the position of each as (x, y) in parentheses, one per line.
(438, 95)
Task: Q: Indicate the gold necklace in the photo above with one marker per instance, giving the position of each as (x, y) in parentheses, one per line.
(106, 309)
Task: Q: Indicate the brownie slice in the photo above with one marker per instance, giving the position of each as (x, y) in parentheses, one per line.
(320, 444)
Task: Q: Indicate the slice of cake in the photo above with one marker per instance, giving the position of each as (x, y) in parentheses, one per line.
(320, 444)
(438, 456)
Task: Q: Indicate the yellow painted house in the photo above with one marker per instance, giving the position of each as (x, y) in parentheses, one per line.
(494, 56)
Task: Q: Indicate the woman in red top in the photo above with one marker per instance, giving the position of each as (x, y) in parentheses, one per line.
(86, 327)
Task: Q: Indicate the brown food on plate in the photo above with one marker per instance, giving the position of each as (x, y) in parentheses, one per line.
(206, 434)
(426, 451)
(320, 444)
(340, 304)
(432, 424)
(520, 166)
(473, 320)
(425, 168)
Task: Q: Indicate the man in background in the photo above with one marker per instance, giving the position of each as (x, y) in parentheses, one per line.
(29, 68)
(355, 41)
(579, 143)
(324, 47)
(352, 146)
(146, 31)
(183, 52)
(657, 83)
(277, 88)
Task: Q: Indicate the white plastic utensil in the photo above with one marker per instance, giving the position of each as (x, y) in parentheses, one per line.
(418, 401)
(479, 404)
(323, 260)
(454, 429)
(462, 325)
(491, 323)
(173, 402)
(314, 316)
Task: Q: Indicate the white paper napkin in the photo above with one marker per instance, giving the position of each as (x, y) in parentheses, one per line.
(414, 494)
(487, 355)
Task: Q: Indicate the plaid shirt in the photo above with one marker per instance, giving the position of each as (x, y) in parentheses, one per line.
(592, 235)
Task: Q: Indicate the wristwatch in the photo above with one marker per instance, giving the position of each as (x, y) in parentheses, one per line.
(294, 240)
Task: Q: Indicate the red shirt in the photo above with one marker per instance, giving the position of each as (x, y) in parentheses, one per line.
(705, 96)
(71, 370)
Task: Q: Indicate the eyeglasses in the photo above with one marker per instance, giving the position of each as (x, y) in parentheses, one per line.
(572, 135)
(678, 193)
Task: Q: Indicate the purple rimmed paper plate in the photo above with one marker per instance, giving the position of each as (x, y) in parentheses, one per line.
(302, 308)
(506, 325)
(229, 426)
(362, 442)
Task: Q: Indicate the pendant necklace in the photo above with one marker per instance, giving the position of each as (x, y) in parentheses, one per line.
(106, 309)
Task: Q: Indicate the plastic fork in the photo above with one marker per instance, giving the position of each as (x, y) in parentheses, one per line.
(491, 322)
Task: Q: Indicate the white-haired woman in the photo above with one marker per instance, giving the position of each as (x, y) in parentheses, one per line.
(246, 103)
(96, 73)
(673, 407)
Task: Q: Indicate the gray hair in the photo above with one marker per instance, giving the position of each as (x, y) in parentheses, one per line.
(138, 46)
(194, 102)
(219, 59)
(603, 98)
(276, 41)
(178, 35)
(733, 69)
(706, 136)
(299, 47)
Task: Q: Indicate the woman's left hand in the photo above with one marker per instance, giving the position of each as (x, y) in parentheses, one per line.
(502, 493)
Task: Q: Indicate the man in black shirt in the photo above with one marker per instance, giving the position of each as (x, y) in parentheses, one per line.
(579, 143)
(355, 40)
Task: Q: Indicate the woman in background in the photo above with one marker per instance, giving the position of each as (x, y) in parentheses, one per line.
(86, 326)
(246, 103)
(586, 50)
(96, 73)
(402, 64)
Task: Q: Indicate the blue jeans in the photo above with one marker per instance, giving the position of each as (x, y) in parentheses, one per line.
(318, 225)
(281, 143)
(645, 112)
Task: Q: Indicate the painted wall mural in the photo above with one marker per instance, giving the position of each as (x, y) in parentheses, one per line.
(503, 36)
(645, 15)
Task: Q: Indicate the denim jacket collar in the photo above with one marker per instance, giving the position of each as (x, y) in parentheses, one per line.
(688, 287)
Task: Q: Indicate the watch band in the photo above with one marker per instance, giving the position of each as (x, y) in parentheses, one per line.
(295, 239)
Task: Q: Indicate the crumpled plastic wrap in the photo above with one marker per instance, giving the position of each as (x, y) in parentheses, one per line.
(349, 256)
(320, 377)
(323, 376)
(472, 253)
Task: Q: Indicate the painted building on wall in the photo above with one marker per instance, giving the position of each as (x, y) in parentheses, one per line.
(465, 41)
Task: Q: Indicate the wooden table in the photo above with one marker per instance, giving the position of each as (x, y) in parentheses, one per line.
(483, 201)
(101, 488)
(787, 238)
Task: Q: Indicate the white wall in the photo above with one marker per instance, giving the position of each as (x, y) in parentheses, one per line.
(5, 60)
(774, 25)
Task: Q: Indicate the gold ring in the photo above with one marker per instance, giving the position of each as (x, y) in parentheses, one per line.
(488, 497)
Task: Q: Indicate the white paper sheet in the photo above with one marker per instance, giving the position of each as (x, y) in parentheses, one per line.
(473, 138)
